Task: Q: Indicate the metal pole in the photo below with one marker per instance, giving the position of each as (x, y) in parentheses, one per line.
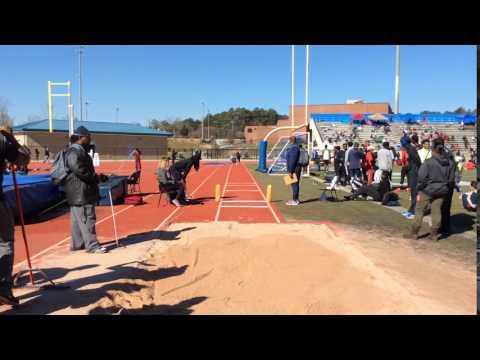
(50, 112)
(293, 85)
(397, 81)
(70, 119)
(208, 123)
(116, 114)
(307, 63)
(203, 118)
(86, 110)
(80, 81)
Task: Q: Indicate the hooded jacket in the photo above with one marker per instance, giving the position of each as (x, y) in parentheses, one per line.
(436, 175)
(81, 185)
(9, 152)
(292, 157)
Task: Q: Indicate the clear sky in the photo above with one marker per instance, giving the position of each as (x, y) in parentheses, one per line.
(162, 82)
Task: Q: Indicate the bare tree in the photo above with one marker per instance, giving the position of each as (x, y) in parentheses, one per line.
(5, 118)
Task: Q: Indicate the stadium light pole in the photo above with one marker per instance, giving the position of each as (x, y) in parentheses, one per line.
(307, 65)
(293, 85)
(86, 110)
(116, 114)
(80, 75)
(208, 123)
(203, 118)
(397, 80)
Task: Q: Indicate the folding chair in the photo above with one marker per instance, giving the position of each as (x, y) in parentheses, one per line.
(134, 182)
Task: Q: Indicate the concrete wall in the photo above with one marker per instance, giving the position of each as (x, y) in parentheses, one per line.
(110, 147)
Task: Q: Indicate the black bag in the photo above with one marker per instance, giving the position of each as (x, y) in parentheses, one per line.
(390, 198)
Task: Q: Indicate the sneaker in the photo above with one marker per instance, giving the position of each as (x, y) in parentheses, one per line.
(291, 203)
(98, 250)
(297, 202)
(176, 203)
(410, 216)
(7, 298)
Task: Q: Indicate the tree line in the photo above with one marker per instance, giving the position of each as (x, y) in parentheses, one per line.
(226, 124)
(459, 111)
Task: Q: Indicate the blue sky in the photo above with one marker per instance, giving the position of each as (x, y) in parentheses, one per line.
(148, 82)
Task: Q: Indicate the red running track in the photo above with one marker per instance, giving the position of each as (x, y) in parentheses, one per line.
(242, 201)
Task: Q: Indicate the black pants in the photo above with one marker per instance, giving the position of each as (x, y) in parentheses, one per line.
(370, 191)
(446, 206)
(403, 174)
(412, 178)
(174, 191)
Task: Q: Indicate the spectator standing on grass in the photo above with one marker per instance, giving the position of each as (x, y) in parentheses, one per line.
(412, 176)
(403, 163)
(385, 159)
(434, 177)
(326, 157)
(447, 201)
(339, 165)
(37, 154)
(11, 151)
(370, 164)
(425, 152)
(238, 157)
(347, 152)
(294, 168)
(174, 156)
(82, 193)
(354, 160)
(460, 161)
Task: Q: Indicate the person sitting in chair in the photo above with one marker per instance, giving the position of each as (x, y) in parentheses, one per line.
(174, 190)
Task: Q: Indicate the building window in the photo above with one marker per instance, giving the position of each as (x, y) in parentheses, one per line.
(249, 130)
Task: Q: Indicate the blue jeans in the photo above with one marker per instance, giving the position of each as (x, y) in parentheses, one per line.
(296, 186)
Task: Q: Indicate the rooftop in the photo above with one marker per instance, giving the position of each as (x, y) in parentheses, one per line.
(95, 127)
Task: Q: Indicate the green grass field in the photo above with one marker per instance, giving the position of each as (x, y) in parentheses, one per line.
(362, 214)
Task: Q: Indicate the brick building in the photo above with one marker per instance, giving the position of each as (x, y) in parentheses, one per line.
(254, 134)
(112, 140)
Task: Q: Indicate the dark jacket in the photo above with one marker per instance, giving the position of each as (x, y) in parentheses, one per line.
(339, 159)
(435, 176)
(81, 185)
(9, 152)
(292, 156)
(414, 161)
(355, 157)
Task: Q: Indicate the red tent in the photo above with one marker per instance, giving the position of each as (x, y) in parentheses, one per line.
(358, 117)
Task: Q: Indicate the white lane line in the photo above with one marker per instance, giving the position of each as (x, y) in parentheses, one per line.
(245, 206)
(223, 193)
(243, 201)
(69, 237)
(241, 190)
(178, 208)
(263, 195)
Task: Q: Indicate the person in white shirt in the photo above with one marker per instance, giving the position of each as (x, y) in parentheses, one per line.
(385, 159)
(425, 152)
(326, 157)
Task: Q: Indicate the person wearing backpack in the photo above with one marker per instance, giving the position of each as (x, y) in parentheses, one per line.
(434, 178)
(294, 168)
(11, 151)
(82, 193)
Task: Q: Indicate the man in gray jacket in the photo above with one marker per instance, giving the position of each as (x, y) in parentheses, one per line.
(81, 190)
(434, 178)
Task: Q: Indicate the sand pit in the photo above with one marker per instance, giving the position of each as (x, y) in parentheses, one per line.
(291, 269)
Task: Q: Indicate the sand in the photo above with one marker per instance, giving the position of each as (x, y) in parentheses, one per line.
(231, 268)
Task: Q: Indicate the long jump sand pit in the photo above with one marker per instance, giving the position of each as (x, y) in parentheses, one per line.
(231, 268)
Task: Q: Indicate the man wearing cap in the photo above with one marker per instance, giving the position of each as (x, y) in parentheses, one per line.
(81, 189)
(11, 151)
(434, 179)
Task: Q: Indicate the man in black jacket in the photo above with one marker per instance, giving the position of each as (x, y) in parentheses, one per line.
(81, 190)
(414, 163)
(434, 177)
(447, 202)
(12, 152)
